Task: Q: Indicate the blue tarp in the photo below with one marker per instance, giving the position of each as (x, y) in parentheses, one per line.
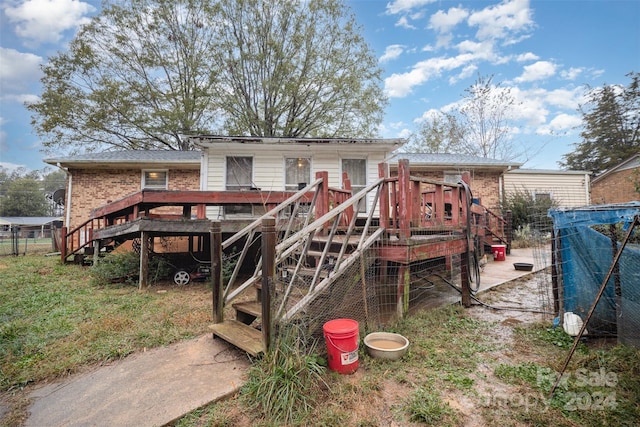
(583, 259)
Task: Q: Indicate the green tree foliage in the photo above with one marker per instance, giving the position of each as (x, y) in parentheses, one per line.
(145, 72)
(440, 133)
(23, 197)
(479, 127)
(528, 211)
(611, 132)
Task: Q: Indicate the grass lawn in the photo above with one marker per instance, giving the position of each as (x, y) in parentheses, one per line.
(53, 321)
(462, 368)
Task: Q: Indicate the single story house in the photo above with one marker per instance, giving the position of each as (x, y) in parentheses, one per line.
(566, 188)
(95, 179)
(619, 184)
(486, 174)
(286, 164)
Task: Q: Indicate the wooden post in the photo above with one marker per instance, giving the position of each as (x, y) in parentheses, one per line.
(349, 212)
(404, 281)
(464, 279)
(215, 240)
(268, 277)
(144, 261)
(96, 251)
(63, 245)
(322, 202)
(383, 172)
(404, 204)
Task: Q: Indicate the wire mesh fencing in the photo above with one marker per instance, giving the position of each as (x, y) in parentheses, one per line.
(596, 270)
(372, 290)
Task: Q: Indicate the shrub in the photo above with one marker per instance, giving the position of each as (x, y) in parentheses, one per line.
(527, 210)
(124, 267)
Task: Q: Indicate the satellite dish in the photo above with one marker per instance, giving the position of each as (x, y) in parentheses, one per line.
(59, 196)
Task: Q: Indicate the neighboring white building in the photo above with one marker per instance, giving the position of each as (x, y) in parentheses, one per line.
(566, 188)
(278, 164)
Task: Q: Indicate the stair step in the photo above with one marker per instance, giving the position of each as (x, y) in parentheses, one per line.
(240, 335)
(253, 308)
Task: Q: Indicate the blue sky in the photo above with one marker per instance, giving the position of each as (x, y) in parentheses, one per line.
(545, 52)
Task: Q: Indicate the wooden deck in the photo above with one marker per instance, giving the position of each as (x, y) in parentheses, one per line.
(417, 220)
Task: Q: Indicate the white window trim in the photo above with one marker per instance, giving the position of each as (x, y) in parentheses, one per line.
(284, 167)
(143, 183)
(253, 167)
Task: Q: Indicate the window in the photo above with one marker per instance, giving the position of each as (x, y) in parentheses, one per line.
(239, 173)
(297, 173)
(453, 177)
(155, 179)
(541, 197)
(239, 176)
(356, 170)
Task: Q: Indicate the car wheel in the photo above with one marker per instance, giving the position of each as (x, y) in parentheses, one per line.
(181, 278)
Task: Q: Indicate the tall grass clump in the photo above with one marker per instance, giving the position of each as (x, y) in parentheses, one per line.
(283, 386)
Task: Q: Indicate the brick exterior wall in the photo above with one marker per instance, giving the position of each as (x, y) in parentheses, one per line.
(484, 186)
(94, 188)
(616, 188)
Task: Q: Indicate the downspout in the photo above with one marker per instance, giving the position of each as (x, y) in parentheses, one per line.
(67, 207)
(587, 187)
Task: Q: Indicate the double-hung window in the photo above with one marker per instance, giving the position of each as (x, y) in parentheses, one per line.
(297, 173)
(239, 176)
(356, 170)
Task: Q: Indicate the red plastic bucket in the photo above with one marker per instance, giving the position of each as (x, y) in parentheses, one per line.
(499, 252)
(342, 338)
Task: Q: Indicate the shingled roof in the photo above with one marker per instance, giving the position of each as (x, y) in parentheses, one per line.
(137, 158)
(439, 160)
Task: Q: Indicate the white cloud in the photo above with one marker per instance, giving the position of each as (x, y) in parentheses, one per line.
(428, 116)
(568, 99)
(444, 22)
(466, 72)
(392, 52)
(404, 133)
(399, 85)
(502, 20)
(524, 57)
(17, 69)
(565, 121)
(41, 21)
(396, 125)
(404, 23)
(537, 71)
(398, 6)
(561, 124)
(572, 73)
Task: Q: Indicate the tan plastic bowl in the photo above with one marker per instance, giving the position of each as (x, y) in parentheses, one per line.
(386, 345)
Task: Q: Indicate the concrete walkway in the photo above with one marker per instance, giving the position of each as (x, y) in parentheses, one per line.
(156, 387)
(146, 389)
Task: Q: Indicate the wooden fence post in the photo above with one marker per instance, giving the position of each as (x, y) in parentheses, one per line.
(404, 200)
(215, 240)
(63, 245)
(268, 277)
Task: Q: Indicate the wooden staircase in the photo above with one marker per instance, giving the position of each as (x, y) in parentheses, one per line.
(310, 260)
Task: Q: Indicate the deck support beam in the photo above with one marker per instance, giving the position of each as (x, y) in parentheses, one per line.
(215, 241)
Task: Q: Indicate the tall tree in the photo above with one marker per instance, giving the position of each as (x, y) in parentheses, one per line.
(611, 127)
(145, 72)
(484, 116)
(480, 126)
(24, 197)
(439, 133)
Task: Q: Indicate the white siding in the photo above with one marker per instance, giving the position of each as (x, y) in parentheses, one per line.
(567, 188)
(268, 163)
